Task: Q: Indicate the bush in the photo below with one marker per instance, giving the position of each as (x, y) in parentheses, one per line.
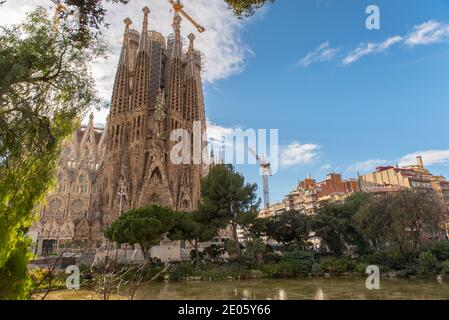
(15, 281)
(272, 257)
(253, 253)
(445, 267)
(282, 269)
(337, 265)
(317, 269)
(426, 264)
(389, 260)
(292, 264)
(440, 249)
(360, 267)
(182, 270)
(301, 261)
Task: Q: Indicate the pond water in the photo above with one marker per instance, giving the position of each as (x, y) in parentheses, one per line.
(293, 289)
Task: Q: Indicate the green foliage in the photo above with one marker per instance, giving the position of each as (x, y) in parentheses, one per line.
(182, 270)
(230, 247)
(213, 252)
(289, 227)
(45, 86)
(227, 200)
(335, 224)
(246, 8)
(444, 266)
(189, 226)
(144, 226)
(14, 279)
(337, 265)
(440, 249)
(391, 260)
(292, 264)
(400, 220)
(426, 264)
(254, 251)
(225, 196)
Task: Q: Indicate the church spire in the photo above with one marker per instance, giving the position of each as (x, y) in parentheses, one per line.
(177, 45)
(143, 45)
(191, 96)
(120, 97)
(142, 68)
(175, 71)
(124, 54)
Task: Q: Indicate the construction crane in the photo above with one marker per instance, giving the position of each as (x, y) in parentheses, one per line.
(265, 168)
(59, 9)
(178, 7)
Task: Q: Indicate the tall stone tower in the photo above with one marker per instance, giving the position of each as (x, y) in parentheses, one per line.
(157, 89)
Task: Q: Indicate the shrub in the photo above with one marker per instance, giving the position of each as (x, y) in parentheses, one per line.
(272, 257)
(282, 269)
(360, 267)
(337, 265)
(445, 267)
(389, 260)
(15, 282)
(317, 269)
(253, 253)
(440, 249)
(300, 261)
(426, 264)
(182, 270)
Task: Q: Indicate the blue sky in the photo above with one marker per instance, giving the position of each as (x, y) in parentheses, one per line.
(344, 98)
(380, 109)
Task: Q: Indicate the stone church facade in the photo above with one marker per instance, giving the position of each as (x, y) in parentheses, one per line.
(104, 172)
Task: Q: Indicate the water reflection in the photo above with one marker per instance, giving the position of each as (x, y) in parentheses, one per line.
(298, 289)
(319, 294)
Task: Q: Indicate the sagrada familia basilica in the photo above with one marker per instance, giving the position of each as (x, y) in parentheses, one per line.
(106, 171)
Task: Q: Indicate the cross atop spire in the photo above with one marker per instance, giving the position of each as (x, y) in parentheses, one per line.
(91, 119)
(127, 22)
(124, 54)
(191, 37)
(146, 11)
(177, 25)
(143, 45)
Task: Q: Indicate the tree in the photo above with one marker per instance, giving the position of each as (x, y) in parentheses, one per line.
(188, 226)
(400, 220)
(246, 8)
(45, 87)
(145, 226)
(91, 15)
(335, 224)
(289, 227)
(227, 200)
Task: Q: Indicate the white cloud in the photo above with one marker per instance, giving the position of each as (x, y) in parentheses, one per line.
(216, 132)
(298, 154)
(429, 32)
(366, 166)
(430, 157)
(321, 54)
(224, 52)
(370, 48)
